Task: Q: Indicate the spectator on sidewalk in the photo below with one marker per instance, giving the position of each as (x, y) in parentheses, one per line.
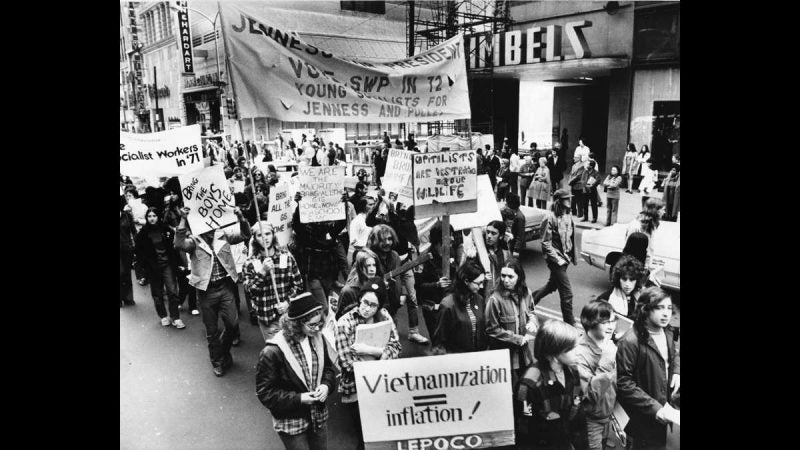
(514, 163)
(648, 370)
(630, 167)
(540, 189)
(576, 184)
(590, 178)
(672, 190)
(582, 150)
(127, 232)
(558, 248)
(515, 223)
(612, 183)
(642, 158)
(526, 173)
(295, 375)
(492, 165)
(555, 163)
(214, 277)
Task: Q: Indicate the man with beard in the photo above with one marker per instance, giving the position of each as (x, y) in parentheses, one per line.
(401, 219)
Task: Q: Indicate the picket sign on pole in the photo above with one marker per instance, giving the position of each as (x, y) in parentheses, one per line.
(252, 163)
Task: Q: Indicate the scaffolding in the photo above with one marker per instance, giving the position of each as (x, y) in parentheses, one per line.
(429, 23)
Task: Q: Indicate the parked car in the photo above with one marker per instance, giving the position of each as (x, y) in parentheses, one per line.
(600, 246)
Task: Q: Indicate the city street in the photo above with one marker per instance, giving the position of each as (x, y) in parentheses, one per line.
(169, 397)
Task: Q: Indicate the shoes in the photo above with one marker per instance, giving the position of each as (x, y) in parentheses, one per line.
(219, 371)
(178, 323)
(165, 322)
(228, 362)
(629, 191)
(195, 312)
(418, 338)
(236, 342)
(594, 221)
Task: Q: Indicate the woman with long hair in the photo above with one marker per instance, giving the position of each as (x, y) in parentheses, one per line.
(370, 309)
(647, 222)
(642, 158)
(510, 322)
(365, 267)
(648, 370)
(462, 323)
(158, 261)
(672, 190)
(540, 188)
(630, 167)
(627, 280)
(552, 388)
(267, 272)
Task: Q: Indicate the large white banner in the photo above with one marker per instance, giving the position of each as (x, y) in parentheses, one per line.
(210, 198)
(166, 153)
(278, 75)
(449, 401)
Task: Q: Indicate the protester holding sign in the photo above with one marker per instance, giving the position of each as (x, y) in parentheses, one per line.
(370, 309)
(295, 374)
(158, 261)
(271, 278)
(461, 326)
(214, 276)
(431, 284)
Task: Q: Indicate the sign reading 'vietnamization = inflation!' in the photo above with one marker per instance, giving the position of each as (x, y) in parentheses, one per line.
(442, 402)
(278, 74)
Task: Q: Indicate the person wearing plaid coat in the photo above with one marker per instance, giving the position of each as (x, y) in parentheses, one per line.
(259, 270)
(295, 374)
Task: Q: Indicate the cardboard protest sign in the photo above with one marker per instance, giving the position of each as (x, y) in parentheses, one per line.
(281, 209)
(397, 179)
(166, 153)
(447, 401)
(210, 198)
(322, 188)
(308, 84)
(487, 208)
(445, 183)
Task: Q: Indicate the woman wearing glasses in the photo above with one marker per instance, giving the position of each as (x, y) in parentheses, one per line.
(462, 322)
(295, 374)
(370, 310)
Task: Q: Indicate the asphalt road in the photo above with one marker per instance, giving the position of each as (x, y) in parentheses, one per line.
(170, 399)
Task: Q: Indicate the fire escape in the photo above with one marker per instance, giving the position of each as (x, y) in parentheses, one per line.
(429, 23)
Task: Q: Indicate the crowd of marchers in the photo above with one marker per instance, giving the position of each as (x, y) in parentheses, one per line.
(309, 297)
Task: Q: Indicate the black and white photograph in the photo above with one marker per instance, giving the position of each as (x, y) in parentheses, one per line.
(400, 225)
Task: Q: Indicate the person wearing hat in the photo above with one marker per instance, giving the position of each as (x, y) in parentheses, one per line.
(294, 376)
(558, 248)
(370, 309)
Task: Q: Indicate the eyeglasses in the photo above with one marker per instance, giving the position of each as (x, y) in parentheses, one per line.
(478, 283)
(369, 304)
(314, 326)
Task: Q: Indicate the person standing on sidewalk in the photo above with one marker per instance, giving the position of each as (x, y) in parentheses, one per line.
(590, 178)
(540, 189)
(492, 163)
(158, 262)
(214, 277)
(514, 164)
(555, 163)
(611, 183)
(558, 247)
(576, 183)
(582, 150)
(630, 167)
(526, 173)
(127, 232)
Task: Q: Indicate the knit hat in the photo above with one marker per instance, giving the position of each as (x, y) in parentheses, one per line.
(378, 286)
(561, 193)
(302, 306)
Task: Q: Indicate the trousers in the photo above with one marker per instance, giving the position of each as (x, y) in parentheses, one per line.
(308, 440)
(558, 280)
(611, 211)
(218, 302)
(159, 279)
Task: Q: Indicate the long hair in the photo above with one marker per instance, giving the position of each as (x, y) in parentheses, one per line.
(361, 264)
(647, 302)
(379, 234)
(645, 149)
(521, 289)
(631, 147)
(292, 329)
(559, 209)
(595, 313)
(649, 215)
(631, 267)
(159, 223)
(260, 226)
(636, 246)
(465, 274)
(553, 338)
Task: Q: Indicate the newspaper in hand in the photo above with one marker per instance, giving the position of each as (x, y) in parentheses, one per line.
(374, 334)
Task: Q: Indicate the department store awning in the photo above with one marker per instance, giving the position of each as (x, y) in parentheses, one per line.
(561, 72)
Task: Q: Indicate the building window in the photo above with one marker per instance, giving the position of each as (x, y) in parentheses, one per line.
(657, 35)
(369, 7)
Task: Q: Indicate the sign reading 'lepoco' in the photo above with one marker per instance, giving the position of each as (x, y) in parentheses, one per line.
(442, 402)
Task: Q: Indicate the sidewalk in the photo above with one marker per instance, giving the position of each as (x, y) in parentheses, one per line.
(629, 207)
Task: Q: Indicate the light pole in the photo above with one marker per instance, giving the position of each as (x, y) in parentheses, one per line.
(216, 52)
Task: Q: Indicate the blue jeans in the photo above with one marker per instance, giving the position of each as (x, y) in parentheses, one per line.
(558, 280)
(611, 211)
(215, 302)
(165, 277)
(309, 440)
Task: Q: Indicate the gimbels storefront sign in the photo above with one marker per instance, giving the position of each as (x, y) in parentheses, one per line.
(529, 46)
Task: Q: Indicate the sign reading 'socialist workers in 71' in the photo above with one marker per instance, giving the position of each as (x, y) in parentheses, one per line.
(294, 81)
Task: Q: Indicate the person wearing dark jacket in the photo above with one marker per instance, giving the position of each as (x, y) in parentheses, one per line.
(461, 326)
(515, 222)
(158, 261)
(431, 284)
(557, 166)
(648, 370)
(127, 230)
(295, 374)
(319, 261)
(558, 249)
(492, 163)
(400, 218)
